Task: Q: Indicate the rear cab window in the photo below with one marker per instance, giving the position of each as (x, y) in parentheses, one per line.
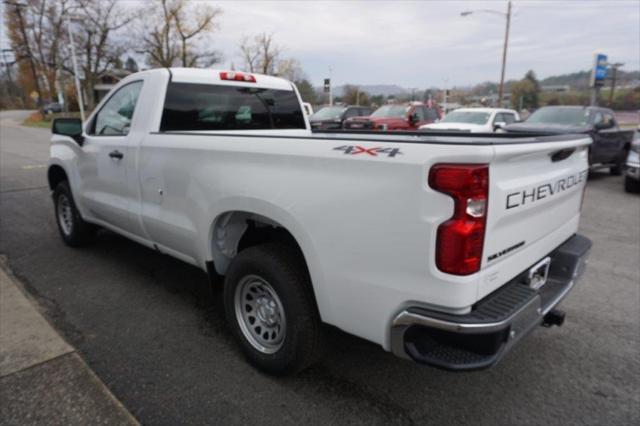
(194, 106)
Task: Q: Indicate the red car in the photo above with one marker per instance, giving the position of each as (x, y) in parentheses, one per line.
(395, 117)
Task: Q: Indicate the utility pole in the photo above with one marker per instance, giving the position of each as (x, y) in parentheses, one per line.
(25, 40)
(75, 70)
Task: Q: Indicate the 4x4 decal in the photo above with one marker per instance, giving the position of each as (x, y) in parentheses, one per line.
(374, 152)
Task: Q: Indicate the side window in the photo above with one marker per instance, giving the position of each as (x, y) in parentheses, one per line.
(499, 118)
(431, 114)
(598, 118)
(508, 117)
(609, 119)
(114, 119)
(351, 112)
(419, 111)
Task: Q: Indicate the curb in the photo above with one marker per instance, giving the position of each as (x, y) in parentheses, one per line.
(29, 345)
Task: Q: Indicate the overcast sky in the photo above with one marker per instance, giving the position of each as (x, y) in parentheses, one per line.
(422, 43)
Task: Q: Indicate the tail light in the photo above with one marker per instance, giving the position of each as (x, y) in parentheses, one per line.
(237, 76)
(461, 238)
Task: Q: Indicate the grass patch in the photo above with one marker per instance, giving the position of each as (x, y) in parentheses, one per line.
(37, 119)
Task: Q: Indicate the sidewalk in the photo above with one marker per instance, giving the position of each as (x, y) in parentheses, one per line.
(42, 378)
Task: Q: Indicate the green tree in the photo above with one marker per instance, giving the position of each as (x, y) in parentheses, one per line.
(527, 89)
(131, 65)
(377, 100)
(307, 92)
(352, 95)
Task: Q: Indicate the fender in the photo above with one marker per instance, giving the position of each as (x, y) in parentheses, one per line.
(64, 152)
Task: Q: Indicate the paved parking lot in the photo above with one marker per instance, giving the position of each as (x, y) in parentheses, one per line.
(151, 331)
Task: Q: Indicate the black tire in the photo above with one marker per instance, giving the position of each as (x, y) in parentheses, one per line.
(75, 232)
(615, 170)
(618, 168)
(631, 185)
(284, 271)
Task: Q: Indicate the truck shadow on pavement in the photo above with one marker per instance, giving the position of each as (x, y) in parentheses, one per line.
(189, 287)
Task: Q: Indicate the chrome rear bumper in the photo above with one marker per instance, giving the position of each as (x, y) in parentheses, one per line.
(495, 324)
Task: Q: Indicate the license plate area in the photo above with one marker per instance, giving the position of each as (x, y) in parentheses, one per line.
(538, 274)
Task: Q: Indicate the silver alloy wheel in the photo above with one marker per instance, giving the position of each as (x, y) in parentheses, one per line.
(260, 314)
(65, 214)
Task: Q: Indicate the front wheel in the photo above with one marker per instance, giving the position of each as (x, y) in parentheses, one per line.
(618, 168)
(631, 185)
(270, 307)
(74, 230)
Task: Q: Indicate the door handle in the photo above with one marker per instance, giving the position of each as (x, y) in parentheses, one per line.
(116, 154)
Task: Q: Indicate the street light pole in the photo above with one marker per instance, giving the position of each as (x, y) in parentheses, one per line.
(506, 42)
(330, 86)
(504, 55)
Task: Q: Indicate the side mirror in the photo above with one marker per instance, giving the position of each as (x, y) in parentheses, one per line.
(603, 125)
(71, 127)
(499, 125)
(413, 118)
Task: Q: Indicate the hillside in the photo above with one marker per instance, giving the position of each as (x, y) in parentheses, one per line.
(576, 80)
(580, 79)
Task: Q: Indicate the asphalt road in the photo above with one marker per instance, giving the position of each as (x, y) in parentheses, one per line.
(152, 332)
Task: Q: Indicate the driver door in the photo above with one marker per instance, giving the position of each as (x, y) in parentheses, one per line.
(605, 147)
(107, 155)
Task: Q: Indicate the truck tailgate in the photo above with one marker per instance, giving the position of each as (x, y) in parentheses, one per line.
(535, 197)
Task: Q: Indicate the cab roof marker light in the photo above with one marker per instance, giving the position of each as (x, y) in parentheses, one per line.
(237, 76)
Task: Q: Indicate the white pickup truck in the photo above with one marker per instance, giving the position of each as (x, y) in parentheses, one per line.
(444, 249)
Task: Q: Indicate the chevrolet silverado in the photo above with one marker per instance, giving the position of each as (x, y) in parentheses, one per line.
(444, 249)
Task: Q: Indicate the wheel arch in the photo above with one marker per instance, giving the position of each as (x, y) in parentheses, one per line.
(234, 229)
(55, 175)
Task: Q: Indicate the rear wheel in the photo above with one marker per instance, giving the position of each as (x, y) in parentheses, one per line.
(73, 229)
(271, 310)
(631, 185)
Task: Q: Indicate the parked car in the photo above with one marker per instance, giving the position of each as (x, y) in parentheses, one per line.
(52, 107)
(610, 144)
(333, 117)
(403, 240)
(475, 120)
(395, 117)
(632, 178)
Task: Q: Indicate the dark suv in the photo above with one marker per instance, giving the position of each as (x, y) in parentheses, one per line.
(610, 144)
(332, 117)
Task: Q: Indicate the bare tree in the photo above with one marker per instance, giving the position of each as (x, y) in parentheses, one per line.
(35, 28)
(290, 69)
(174, 39)
(250, 54)
(99, 49)
(204, 23)
(260, 53)
(158, 42)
